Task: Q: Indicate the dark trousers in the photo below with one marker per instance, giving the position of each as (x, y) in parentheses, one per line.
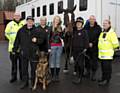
(25, 69)
(79, 61)
(106, 67)
(91, 64)
(15, 58)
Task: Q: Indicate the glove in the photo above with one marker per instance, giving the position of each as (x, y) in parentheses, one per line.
(13, 53)
(84, 50)
(49, 50)
(71, 60)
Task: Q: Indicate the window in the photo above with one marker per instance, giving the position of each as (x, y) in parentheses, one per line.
(83, 5)
(60, 7)
(51, 9)
(70, 4)
(23, 15)
(33, 12)
(44, 10)
(38, 11)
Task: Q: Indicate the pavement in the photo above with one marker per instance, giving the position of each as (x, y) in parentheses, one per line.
(64, 86)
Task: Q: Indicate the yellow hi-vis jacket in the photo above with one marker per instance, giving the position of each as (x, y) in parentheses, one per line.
(11, 31)
(107, 45)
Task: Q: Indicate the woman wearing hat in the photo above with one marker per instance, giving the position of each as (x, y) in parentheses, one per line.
(79, 45)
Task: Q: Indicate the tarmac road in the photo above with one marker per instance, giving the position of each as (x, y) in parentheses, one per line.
(64, 86)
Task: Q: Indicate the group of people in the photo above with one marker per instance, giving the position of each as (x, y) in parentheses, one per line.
(26, 41)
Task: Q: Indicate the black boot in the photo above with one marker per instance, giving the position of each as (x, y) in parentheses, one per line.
(104, 83)
(53, 73)
(87, 75)
(32, 84)
(66, 67)
(57, 74)
(25, 85)
(101, 80)
(13, 79)
(93, 76)
(78, 80)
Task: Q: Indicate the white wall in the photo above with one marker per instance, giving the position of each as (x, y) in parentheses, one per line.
(102, 9)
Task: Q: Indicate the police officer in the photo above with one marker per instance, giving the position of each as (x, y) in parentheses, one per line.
(93, 31)
(108, 42)
(29, 39)
(10, 32)
(79, 45)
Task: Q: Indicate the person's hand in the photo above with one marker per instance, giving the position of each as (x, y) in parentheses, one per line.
(34, 39)
(13, 53)
(49, 50)
(72, 60)
(90, 45)
(84, 50)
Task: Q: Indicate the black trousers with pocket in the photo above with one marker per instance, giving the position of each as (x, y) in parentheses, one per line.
(15, 58)
(25, 69)
(106, 68)
(79, 61)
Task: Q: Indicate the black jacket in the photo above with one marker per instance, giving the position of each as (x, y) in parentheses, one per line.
(80, 39)
(45, 33)
(24, 42)
(93, 34)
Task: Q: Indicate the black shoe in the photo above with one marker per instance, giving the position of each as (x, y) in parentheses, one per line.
(77, 81)
(104, 83)
(87, 75)
(53, 79)
(13, 80)
(65, 71)
(57, 79)
(21, 78)
(100, 80)
(93, 78)
(25, 85)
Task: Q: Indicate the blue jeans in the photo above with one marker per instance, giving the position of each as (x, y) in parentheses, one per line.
(55, 56)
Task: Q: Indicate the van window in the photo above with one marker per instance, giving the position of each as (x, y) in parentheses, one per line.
(44, 10)
(70, 4)
(60, 7)
(33, 12)
(51, 9)
(23, 14)
(83, 5)
(38, 11)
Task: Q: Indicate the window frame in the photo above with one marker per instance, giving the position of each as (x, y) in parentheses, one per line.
(84, 5)
(33, 12)
(38, 12)
(44, 8)
(51, 9)
(60, 3)
(23, 12)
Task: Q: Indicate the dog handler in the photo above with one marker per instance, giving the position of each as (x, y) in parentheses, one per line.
(79, 45)
(29, 39)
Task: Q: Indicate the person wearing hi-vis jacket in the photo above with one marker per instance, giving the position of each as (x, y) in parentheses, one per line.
(107, 44)
(10, 32)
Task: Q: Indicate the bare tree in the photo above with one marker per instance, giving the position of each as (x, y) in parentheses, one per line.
(10, 5)
(1, 5)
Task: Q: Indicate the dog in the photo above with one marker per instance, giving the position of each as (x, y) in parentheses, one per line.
(42, 71)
